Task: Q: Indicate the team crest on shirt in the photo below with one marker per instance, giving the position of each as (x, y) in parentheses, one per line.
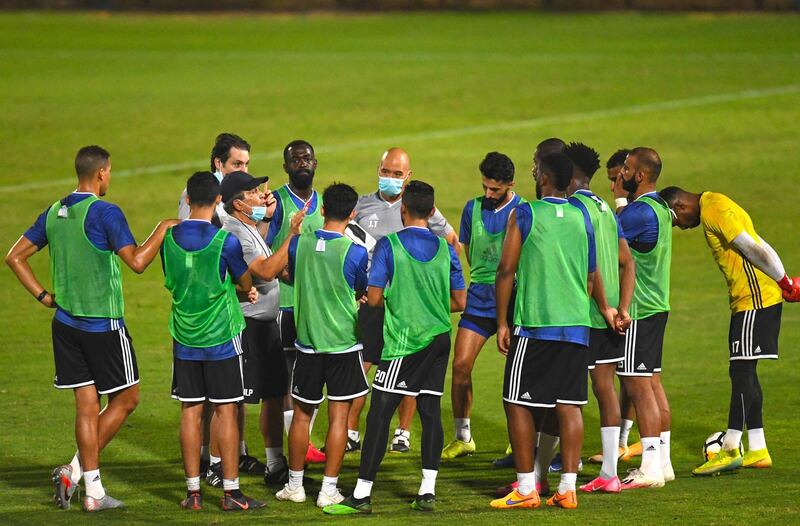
(490, 254)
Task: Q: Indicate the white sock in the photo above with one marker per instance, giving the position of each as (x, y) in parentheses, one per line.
(624, 432)
(230, 485)
(733, 437)
(287, 420)
(311, 424)
(203, 451)
(93, 485)
(547, 449)
(242, 448)
(363, 489)
(193, 483)
(274, 458)
(77, 472)
(428, 484)
(463, 431)
(527, 483)
(567, 482)
(329, 485)
(756, 439)
(214, 460)
(609, 437)
(651, 455)
(353, 435)
(406, 433)
(295, 479)
(664, 448)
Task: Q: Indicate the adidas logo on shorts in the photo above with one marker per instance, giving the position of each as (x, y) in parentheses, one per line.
(642, 367)
(296, 390)
(402, 384)
(525, 396)
(758, 349)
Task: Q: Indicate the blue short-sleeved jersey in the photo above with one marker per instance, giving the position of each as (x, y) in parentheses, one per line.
(355, 261)
(481, 296)
(422, 244)
(277, 217)
(574, 334)
(195, 234)
(640, 224)
(107, 229)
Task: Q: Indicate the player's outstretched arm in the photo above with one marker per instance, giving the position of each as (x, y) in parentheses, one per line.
(17, 260)
(138, 258)
(504, 280)
(271, 267)
(765, 259)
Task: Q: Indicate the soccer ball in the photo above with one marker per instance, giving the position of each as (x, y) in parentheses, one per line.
(713, 445)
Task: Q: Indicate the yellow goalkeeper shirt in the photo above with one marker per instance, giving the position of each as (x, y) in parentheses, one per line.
(723, 220)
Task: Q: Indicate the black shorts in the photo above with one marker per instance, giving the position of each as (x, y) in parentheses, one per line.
(105, 359)
(543, 373)
(644, 346)
(754, 334)
(218, 381)
(265, 375)
(605, 346)
(342, 375)
(482, 325)
(370, 327)
(420, 373)
(288, 329)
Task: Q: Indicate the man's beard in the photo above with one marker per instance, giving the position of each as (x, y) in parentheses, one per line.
(302, 179)
(630, 185)
(491, 203)
(538, 190)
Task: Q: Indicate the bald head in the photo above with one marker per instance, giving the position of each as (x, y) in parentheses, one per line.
(396, 163)
(648, 161)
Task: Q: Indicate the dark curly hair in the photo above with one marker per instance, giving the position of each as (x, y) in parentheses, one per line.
(498, 167)
(584, 157)
(617, 158)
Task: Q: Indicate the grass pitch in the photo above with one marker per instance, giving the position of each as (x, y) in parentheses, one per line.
(717, 96)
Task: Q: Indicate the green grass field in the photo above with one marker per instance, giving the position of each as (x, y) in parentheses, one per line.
(717, 96)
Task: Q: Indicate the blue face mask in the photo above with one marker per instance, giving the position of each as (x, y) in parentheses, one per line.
(257, 213)
(390, 186)
(219, 176)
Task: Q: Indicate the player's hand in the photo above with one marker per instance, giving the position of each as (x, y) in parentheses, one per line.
(622, 321)
(792, 295)
(170, 222)
(296, 222)
(610, 315)
(252, 295)
(503, 339)
(270, 202)
(49, 301)
(617, 188)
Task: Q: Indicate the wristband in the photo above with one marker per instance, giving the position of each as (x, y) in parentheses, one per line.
(41, 296)
(619, 202)
(785, 283)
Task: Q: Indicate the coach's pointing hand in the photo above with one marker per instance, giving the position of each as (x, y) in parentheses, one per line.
(297, 222)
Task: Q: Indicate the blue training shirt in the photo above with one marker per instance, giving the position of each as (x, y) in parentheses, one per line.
(640, 224)
(355, 262)
(481, 296)
(575, 333)
(277, 217)
(422, 244)
(107, 229)
(196, 234)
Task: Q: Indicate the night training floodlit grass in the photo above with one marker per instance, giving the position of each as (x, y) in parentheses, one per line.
(718, 96)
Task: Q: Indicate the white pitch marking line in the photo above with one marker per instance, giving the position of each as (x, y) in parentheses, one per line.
(691, 102)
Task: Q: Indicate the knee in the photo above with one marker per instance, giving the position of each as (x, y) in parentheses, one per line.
(462, 371)
(129, 399)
